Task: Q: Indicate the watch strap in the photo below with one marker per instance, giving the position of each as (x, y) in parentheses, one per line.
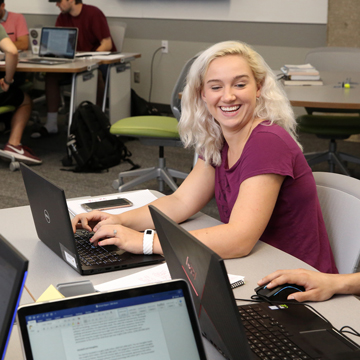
(148, 241)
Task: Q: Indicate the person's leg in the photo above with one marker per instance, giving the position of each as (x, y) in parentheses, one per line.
(52, 93)
(22, 102)
(19, 121)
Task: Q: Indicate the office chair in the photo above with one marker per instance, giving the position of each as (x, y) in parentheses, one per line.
(158, 131)
(118, 34)
(326, 126)
(339, 197)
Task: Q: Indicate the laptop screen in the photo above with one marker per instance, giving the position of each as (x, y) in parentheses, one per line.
(58, 42)
(13, 271)
(155, 325)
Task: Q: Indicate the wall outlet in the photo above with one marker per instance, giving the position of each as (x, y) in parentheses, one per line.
(165, 46)
(137, 77)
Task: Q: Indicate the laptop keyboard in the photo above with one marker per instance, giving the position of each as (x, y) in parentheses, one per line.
(93, 255)
(267, 338)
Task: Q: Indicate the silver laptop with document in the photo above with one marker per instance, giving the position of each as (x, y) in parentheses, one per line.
(57, 46)
(150, 322)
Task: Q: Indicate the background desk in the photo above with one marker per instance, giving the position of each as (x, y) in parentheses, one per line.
(118, 85)
(329, 95)
(84, 73)
(46, 268)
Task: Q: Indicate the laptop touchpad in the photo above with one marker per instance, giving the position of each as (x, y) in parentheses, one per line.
(321, 343)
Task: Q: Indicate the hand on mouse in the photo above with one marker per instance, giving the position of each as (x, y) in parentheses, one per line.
(318, 286)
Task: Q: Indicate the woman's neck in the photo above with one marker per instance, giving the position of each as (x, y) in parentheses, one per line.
(237, 141)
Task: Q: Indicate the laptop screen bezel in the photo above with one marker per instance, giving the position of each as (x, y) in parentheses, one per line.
(20, 264)
(58, 28)
(79, 301)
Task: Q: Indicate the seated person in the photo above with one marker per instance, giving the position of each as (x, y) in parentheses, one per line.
(240, 121)
(17, 30)
(318, 286)
(15, 26)
(90, 38)
(12, 95)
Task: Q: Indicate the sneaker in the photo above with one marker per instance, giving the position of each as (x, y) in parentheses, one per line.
(22, 153)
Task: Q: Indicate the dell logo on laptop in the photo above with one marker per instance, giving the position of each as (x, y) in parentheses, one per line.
(47, 216)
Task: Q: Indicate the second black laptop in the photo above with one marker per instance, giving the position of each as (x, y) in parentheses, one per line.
(53, 226)
(260, 331)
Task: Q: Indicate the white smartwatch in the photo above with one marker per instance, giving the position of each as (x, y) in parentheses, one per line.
(148, 241)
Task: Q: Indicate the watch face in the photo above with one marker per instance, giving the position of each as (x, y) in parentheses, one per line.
(34, 34)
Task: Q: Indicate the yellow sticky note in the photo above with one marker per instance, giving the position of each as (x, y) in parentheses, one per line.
(51, 293)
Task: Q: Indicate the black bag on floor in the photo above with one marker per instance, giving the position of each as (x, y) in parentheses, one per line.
(90, 142)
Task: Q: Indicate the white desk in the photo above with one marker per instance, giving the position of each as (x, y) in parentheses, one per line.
(84, 73)
(46, 268)
(330, 95)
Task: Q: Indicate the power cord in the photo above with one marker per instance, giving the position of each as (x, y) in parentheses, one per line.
(151, 71)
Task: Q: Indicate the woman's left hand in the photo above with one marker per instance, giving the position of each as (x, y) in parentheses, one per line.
(121, 236)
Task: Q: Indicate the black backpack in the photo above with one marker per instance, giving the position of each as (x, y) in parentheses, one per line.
(90, 142)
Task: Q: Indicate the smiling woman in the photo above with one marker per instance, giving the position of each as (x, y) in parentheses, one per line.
(238, 119)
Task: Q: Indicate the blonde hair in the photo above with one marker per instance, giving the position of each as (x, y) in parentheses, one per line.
(199, 129)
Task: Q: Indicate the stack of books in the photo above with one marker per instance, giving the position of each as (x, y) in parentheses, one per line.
(300, 75)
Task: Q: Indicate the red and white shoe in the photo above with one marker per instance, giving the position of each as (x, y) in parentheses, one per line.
(22, 153)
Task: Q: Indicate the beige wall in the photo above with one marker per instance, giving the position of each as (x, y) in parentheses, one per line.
(344, 23)
(277, 43)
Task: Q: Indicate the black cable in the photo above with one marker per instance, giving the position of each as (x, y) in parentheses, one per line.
(151, 71)
(352, 332)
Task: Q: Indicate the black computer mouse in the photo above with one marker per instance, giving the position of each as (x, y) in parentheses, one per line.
(278, 293)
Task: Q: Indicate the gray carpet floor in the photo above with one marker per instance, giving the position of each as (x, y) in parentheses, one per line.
(52, 150)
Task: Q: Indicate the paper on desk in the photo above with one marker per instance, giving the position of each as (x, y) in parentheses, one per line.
(138, 198)
(92, 53)
(51, 293)
(149, 276)
(108, 57)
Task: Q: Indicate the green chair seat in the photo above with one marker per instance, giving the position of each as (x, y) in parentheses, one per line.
(329, 126)
(6, 109)
(147, 126)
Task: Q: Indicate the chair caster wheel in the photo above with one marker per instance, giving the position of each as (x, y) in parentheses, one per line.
(115, 184)
(14, 166)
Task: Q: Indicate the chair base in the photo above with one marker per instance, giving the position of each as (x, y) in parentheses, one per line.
(333, 157)
(14, 164)
(162, 173)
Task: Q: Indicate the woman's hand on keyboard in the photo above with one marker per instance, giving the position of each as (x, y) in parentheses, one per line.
(121, 236)
(92, 221)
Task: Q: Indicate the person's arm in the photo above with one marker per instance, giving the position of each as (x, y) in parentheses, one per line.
(11, 59)
(105, 45)
(248, 220)
(318, 286)
(22, 42)
(193, 194)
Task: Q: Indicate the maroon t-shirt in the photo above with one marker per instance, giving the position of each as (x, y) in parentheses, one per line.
(92, 25)
(296, 225)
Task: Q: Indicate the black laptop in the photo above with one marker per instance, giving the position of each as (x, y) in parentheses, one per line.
(150, 322)
(13, 271)
(57, 46)
(259, 331)
(53, 227)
